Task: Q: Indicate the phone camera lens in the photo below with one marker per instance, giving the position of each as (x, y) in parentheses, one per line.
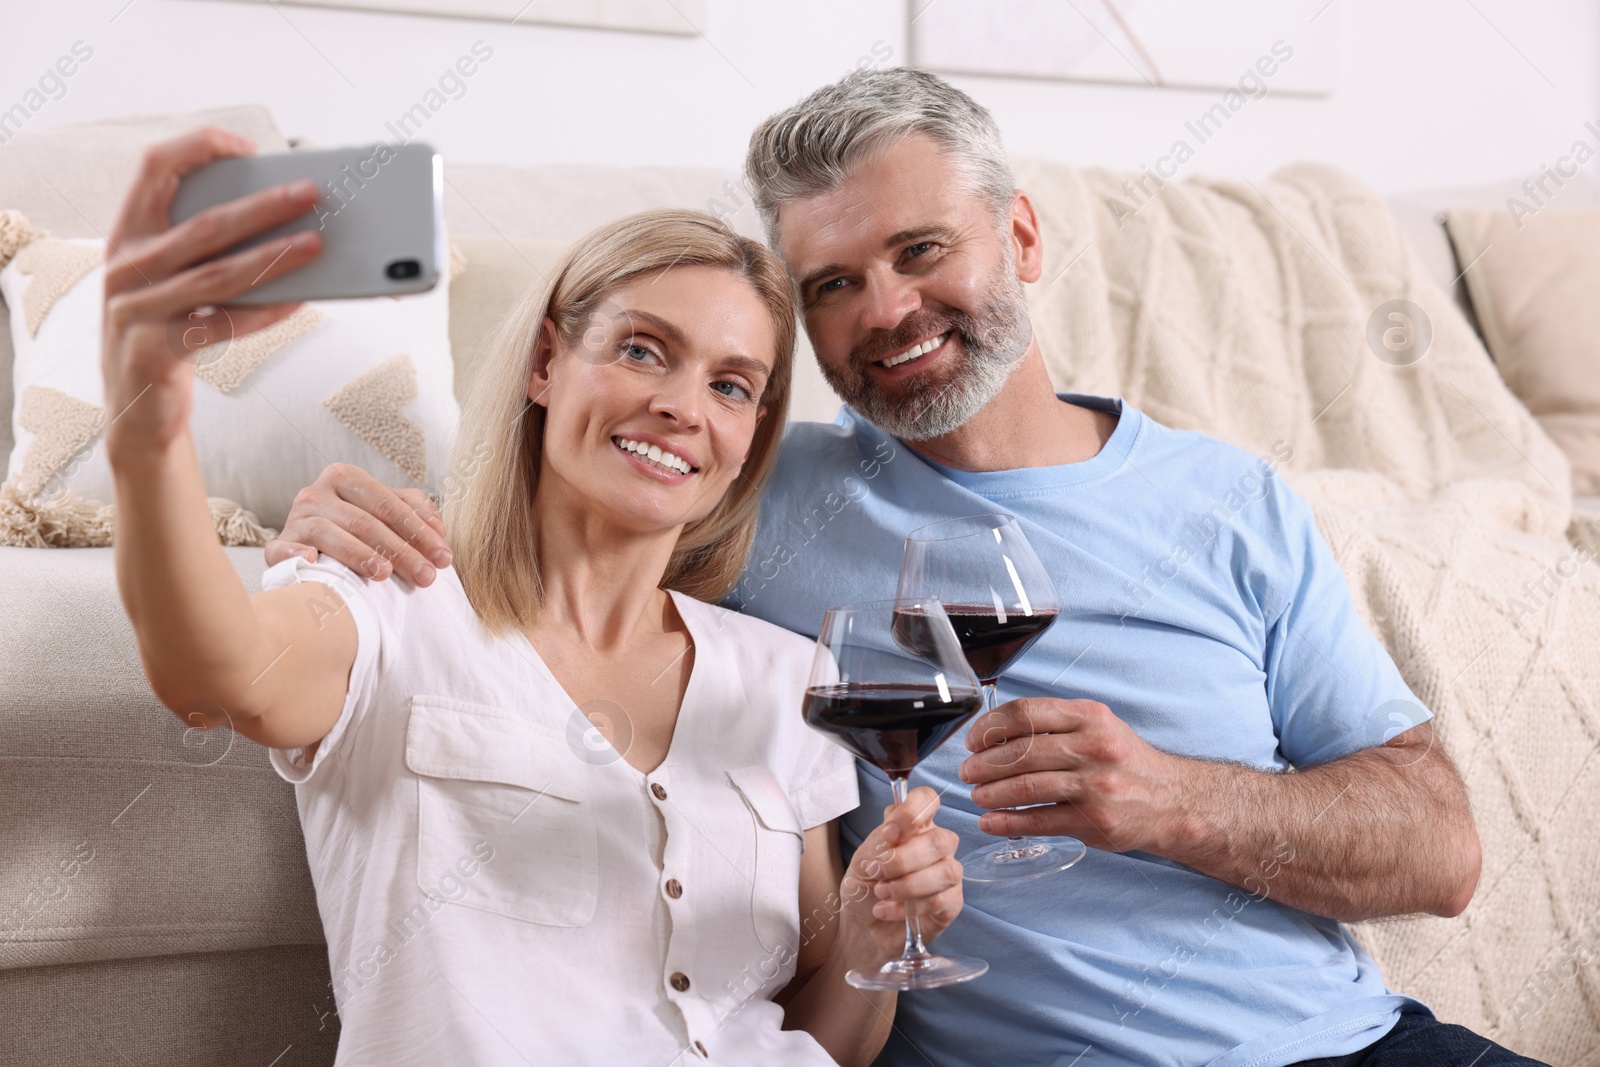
(401, 269)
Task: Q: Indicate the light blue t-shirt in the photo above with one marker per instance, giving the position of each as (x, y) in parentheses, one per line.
(1202, 606)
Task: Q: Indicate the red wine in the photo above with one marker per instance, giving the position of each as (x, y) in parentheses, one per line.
(990, 644)
(890, 725)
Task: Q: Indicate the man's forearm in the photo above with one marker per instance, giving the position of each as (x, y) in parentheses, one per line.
(1384, 831)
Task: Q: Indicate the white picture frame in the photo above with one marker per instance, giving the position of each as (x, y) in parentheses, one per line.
(679, 17)
(1195, 44)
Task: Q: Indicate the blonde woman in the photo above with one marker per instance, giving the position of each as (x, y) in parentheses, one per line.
(496, 886)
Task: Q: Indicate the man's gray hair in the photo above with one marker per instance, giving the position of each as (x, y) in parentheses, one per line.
(812, 147)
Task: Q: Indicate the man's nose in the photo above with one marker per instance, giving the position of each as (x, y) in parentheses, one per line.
(889, 298)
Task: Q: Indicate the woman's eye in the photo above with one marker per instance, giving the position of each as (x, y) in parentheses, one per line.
(733, 390)
(637, 353)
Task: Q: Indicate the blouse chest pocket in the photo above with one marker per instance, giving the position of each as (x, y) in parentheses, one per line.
(503, 814)
(775, 889)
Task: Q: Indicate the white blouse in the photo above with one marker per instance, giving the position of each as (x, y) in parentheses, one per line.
(499, 886)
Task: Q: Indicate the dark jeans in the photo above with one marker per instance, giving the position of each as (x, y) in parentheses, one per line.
(1420, 1040)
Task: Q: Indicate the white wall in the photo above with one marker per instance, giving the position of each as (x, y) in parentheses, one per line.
(1430, 92)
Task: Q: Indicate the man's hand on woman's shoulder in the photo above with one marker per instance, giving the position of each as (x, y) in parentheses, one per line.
(370, 528)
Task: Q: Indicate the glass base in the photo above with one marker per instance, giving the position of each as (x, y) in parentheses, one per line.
(1012, 862)
(918, 972)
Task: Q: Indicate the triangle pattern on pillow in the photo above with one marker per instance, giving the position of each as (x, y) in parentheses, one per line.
(370, 405)
(55, 267)
(62, 425)
(244, 354)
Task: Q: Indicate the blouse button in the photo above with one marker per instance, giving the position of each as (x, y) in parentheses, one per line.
(701, 1048)
(657, 791)
(680, 981)
(674, 888)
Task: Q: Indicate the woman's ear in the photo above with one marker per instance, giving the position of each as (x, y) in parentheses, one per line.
(544, 353)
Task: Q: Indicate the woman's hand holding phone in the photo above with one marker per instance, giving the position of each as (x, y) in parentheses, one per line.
(167, 300)
(203, 639)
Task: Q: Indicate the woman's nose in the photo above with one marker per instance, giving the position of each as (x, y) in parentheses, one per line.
(678, 402)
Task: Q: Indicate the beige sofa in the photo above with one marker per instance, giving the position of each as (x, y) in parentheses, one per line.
(168, 912)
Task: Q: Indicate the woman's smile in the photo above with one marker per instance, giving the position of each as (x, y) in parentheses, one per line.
(660, 459)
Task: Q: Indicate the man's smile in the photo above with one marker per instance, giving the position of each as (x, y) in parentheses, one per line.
(915, 352)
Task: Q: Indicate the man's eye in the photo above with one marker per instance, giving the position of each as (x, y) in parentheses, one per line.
(830, 286)
(919, 248)
(734, 390)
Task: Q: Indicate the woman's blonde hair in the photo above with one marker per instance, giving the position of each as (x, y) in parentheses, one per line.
(494, 471)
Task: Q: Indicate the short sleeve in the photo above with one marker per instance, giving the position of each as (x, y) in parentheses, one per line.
(1332, 687)
(290, 763)
(824, 786)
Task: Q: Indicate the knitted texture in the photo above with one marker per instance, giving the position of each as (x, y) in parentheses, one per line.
(370, 405)
(1256, 313)
(244, 354)
(64, 426)
(53, 267)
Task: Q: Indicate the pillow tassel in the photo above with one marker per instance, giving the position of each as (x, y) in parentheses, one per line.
(66, 520)
(15, 232)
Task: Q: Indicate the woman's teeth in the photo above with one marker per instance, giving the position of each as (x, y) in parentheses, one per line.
(915, 351)
(654, 454)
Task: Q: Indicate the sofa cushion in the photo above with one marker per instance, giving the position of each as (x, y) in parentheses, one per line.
(367, 382)
(1533, 279)
(70, 180)
(1420, 215)
(126, 833)
(245, 1007)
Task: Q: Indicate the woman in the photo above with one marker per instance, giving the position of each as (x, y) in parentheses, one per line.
(498, 886)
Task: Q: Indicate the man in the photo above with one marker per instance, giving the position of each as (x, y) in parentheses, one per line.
(1214, 723)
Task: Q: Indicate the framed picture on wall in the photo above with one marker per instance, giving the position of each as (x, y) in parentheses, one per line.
(1160, 43)
(686, 17)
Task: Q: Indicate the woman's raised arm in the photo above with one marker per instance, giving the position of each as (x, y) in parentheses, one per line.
(273, 666)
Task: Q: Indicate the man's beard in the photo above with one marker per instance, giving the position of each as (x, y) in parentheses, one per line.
(992, 343)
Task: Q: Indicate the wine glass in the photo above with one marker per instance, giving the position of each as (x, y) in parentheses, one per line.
(1000, 601)
(892, 710)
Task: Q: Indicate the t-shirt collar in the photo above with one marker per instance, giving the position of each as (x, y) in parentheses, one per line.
(1024, 481)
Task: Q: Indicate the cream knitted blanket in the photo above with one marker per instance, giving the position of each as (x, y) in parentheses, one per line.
(1246, 311)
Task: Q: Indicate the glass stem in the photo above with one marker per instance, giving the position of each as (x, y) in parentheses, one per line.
(914, 949)
(991, 700)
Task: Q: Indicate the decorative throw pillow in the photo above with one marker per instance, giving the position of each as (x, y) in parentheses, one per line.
(1533, 282)
(367, 382)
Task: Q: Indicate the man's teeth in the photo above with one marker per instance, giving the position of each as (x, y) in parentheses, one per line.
(654, 454)
(915, 350)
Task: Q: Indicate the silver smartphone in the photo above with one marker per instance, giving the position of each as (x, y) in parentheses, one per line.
(380, 209)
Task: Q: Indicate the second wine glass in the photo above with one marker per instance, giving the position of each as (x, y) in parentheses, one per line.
(892, 710)
(1000, 601)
